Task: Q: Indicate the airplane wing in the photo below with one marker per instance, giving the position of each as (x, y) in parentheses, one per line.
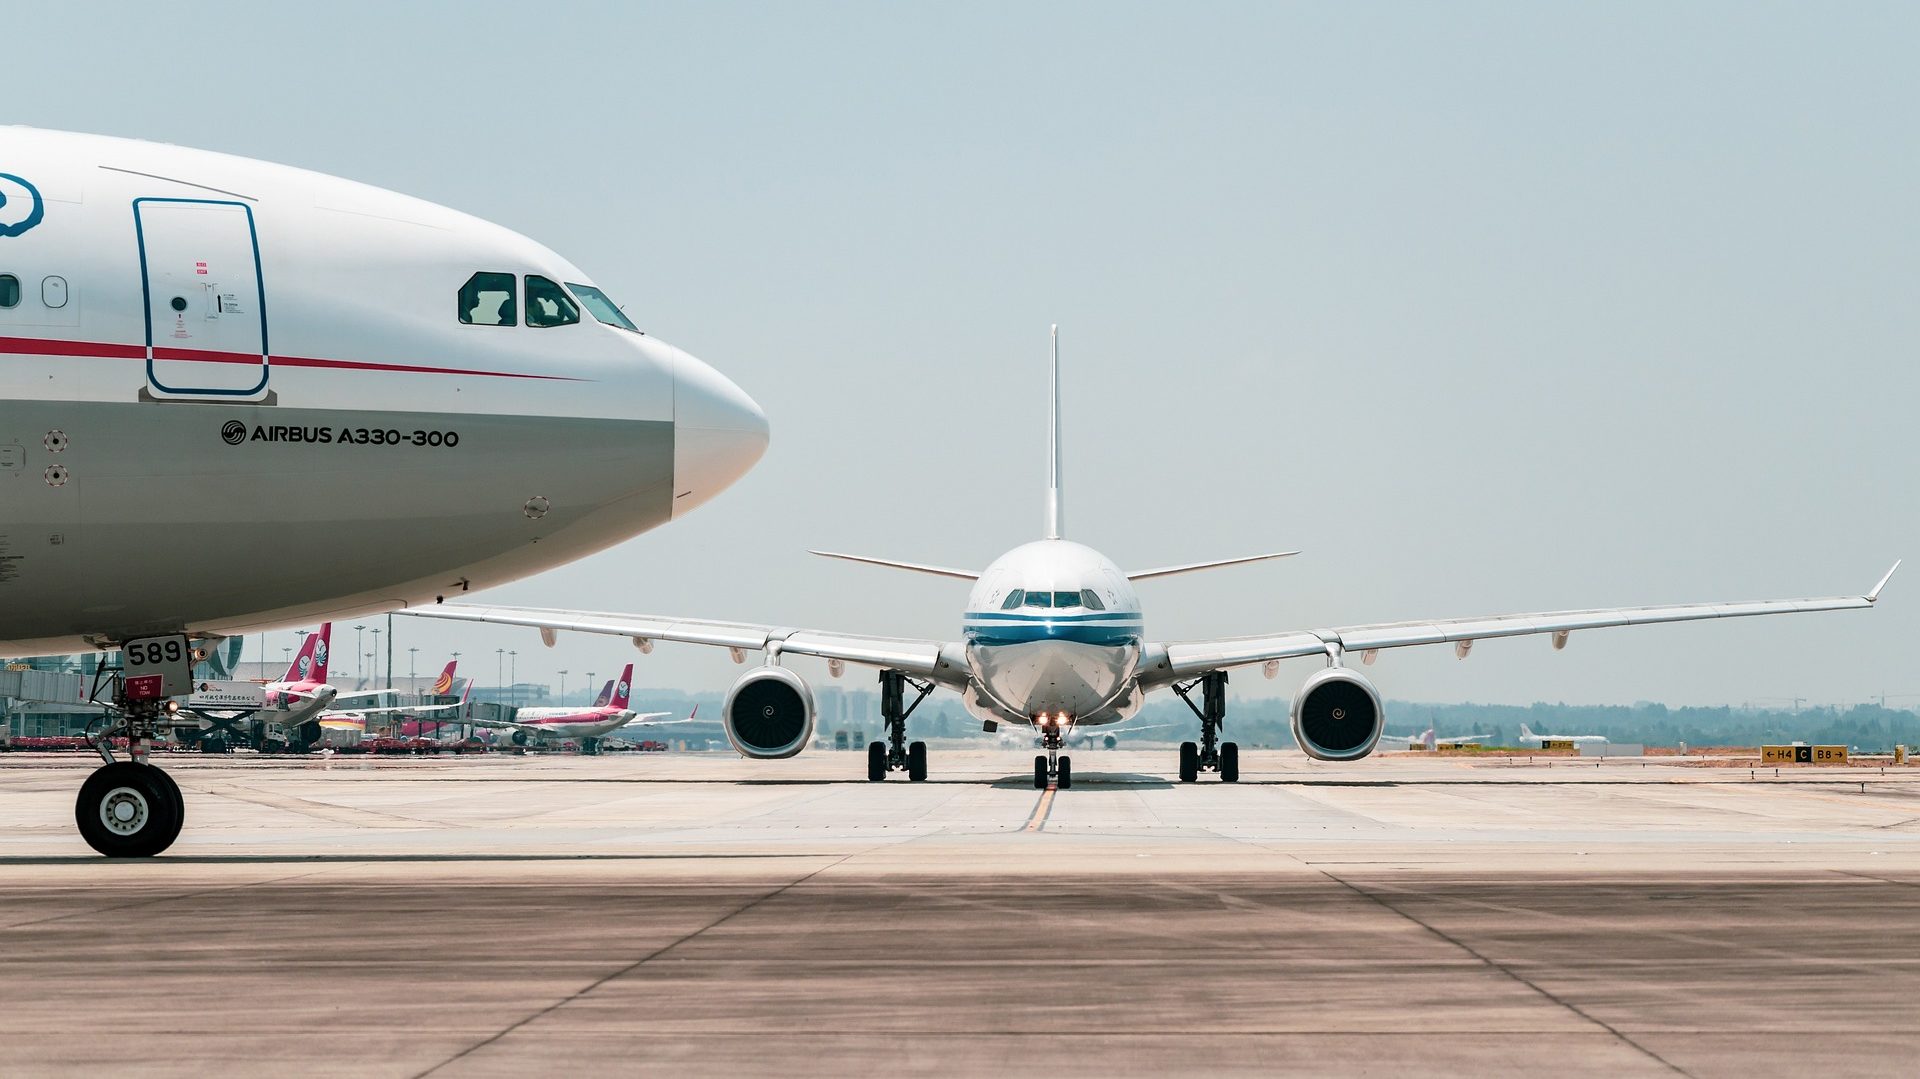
(362, 693)
(912, 656)
(652, 719)
(1184, 660)
(382, 711)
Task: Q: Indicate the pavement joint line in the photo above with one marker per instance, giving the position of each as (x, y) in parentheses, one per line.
(1503, 968)
(156, 900)
(1788, 957)
(629, 968)
(1042, 809)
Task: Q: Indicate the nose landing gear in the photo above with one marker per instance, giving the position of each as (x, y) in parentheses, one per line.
(1210, 754)
(130, 809)
(896, 754)
(1051, 765)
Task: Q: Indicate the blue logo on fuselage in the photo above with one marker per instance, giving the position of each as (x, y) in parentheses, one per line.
(20, 205)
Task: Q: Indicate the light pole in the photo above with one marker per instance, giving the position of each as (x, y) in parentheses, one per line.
(513, 675)
(286, 657)
(589, 683)
(499, 665)
(359, 645)
(376, 652)
(412, 655)
(563, 689)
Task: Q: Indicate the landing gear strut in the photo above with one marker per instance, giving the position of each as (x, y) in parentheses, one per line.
(1051, 765)
(1211, 754)
(896, 754)
(130, 809)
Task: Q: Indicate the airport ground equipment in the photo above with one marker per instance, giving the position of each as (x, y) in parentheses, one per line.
(1802, 753)
(896, 754)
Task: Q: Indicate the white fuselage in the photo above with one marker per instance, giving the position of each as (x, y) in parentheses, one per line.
(237, 396)
(1053, 628)
(572, 722)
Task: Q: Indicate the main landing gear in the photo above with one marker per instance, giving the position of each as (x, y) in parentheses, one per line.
(1210, 754)
(896, 754)
(130, 808)
(1051, 765)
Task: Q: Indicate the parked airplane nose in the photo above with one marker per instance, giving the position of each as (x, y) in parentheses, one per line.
(718, 433)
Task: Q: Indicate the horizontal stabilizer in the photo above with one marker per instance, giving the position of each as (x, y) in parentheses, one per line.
(917, 567)
(1168, 571)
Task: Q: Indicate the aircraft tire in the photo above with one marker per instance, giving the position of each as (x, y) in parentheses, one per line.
(1189, 762)
(917, 762)
(876, 762)
(129, 810)
(179, 802)
(1066, 773)
(1039, 773)
(1229, 762)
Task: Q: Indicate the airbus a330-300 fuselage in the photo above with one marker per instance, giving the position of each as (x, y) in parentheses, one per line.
(237, 395)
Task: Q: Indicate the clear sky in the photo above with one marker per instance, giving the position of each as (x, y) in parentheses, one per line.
(1487, 307)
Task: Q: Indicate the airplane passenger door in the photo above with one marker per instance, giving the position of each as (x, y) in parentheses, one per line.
(205, 299)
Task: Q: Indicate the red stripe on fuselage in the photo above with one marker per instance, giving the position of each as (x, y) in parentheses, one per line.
(31, 346)
(201, 355)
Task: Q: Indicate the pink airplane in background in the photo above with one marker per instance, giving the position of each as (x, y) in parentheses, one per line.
(608, 714)
(304, 692)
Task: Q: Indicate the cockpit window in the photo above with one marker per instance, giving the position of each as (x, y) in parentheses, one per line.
(1053, 600)
(1014, 599)
(602, 308)
(487, 300)
(1092, 600)
(548, 304)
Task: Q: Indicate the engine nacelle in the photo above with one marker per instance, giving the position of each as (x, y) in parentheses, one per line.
(768, 714)
(1337, 716)
(1110, 741)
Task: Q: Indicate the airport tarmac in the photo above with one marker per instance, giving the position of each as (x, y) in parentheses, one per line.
(702, 915)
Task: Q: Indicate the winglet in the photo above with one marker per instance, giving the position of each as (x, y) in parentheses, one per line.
(1875, 594)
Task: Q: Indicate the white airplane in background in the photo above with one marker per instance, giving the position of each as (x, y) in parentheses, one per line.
(588, 725)
(1052, 637)
(1528, 738)
(1094, 738)
(1426, 740)
(237, 396)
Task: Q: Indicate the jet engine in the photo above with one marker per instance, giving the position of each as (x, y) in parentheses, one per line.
(1110, 741)
(1337, 716)
(768, 714)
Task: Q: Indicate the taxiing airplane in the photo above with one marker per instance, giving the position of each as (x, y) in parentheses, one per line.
(1528, 738)
(1426, 740)
(588, 726)
(1052, 637)
(444, 403)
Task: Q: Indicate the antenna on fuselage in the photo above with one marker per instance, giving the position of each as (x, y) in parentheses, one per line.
(1054, 514)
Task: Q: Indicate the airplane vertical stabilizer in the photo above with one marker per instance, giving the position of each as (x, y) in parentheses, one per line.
(311, 664)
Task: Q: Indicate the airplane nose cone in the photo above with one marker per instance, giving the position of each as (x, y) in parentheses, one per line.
(718, 433)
